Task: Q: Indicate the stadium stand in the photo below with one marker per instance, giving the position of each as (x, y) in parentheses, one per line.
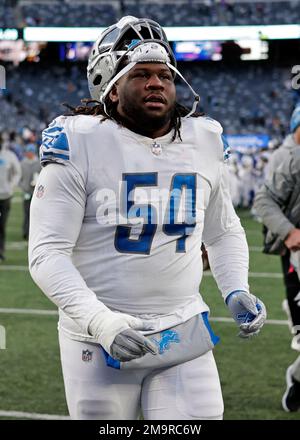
(189, 12)
(240, 98)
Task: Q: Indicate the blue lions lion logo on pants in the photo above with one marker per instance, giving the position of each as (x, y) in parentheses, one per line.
(166, 337)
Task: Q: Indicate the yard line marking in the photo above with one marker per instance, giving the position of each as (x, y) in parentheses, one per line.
(17, 200)
(29, 311)
(20, 245)
(16, 268)
(16, 245)
(206, 274)
(55, 313)
(255, 249)
(253, 231)
(35, 416)
(254, 274)
(265, 275)
(231, 320)
(12, 245)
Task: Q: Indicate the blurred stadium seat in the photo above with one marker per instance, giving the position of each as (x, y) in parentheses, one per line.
(191, 12)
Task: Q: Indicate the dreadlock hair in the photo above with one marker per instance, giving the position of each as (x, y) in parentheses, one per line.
(111, 113)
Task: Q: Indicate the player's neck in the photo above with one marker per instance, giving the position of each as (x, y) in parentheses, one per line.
(149, 131)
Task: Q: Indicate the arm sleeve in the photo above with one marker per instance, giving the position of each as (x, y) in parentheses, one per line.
(273, 195)
(225, 239)
(57, 212)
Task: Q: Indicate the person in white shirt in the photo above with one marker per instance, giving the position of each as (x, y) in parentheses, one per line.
(130, 187)
(10, 174)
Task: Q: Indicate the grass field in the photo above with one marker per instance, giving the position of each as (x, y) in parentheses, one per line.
(252, 372)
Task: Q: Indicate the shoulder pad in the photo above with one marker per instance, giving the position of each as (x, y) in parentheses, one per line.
(55, 146)
(83, 123)
(210, 124)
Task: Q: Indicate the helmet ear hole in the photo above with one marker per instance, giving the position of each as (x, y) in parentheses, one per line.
(97, 80)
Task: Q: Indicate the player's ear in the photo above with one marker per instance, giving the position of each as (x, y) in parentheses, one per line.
(113, 94)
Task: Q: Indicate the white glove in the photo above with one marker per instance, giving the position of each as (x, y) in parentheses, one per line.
(248, 312)
(116, 333)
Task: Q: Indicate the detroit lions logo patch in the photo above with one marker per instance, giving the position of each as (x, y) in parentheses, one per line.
(166, 338)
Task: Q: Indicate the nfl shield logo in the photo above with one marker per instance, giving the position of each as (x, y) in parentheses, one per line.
(40, 191)
(87, 355)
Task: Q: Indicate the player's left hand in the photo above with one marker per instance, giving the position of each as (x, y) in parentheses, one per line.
(248, 311)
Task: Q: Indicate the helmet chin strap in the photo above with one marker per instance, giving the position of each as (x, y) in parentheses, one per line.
(113, 81)
(196, 96)
(130, 66)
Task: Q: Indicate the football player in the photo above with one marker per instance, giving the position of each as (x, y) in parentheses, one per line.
(132, 183)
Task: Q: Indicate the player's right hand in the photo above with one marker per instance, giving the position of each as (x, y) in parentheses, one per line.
(131, 344)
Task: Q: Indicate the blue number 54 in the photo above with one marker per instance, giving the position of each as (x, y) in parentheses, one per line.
(147, 212)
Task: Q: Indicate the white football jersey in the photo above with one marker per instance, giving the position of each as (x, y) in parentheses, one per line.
(119, 218)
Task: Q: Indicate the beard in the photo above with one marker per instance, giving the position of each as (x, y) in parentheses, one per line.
(141, 121)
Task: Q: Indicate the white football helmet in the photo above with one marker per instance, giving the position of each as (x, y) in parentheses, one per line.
(137, 39)
(114, 43)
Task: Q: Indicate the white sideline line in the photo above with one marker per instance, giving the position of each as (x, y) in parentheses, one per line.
(36, 416)
(253, 231)
(55, 313)
(17, 245)
(206, 274)
(15, 268)
(255, 248)
(230, 320)
(252, 274)
(17, 200)
(29, 311)
(21, 245)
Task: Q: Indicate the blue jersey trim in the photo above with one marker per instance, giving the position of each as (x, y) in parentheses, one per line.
(49, 154)
(61, 143)
(111, 362)
(214, 338)
(53, 129)
(295, 119)
(226, 148)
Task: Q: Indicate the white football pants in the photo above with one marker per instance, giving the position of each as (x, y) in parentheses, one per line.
(94, 391)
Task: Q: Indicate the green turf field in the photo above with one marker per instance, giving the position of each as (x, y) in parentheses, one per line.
(252, 372)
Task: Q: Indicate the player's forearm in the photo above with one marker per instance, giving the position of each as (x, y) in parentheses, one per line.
(229, 261)
(57, 277)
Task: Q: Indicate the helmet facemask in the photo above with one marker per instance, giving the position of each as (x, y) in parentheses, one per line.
(133, 41)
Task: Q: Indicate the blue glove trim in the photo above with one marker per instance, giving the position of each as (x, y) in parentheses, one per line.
(230, 294)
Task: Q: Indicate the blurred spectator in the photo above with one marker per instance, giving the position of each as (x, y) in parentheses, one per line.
(246, 181)
(278, 205)
(30, 171)
(10, 174)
